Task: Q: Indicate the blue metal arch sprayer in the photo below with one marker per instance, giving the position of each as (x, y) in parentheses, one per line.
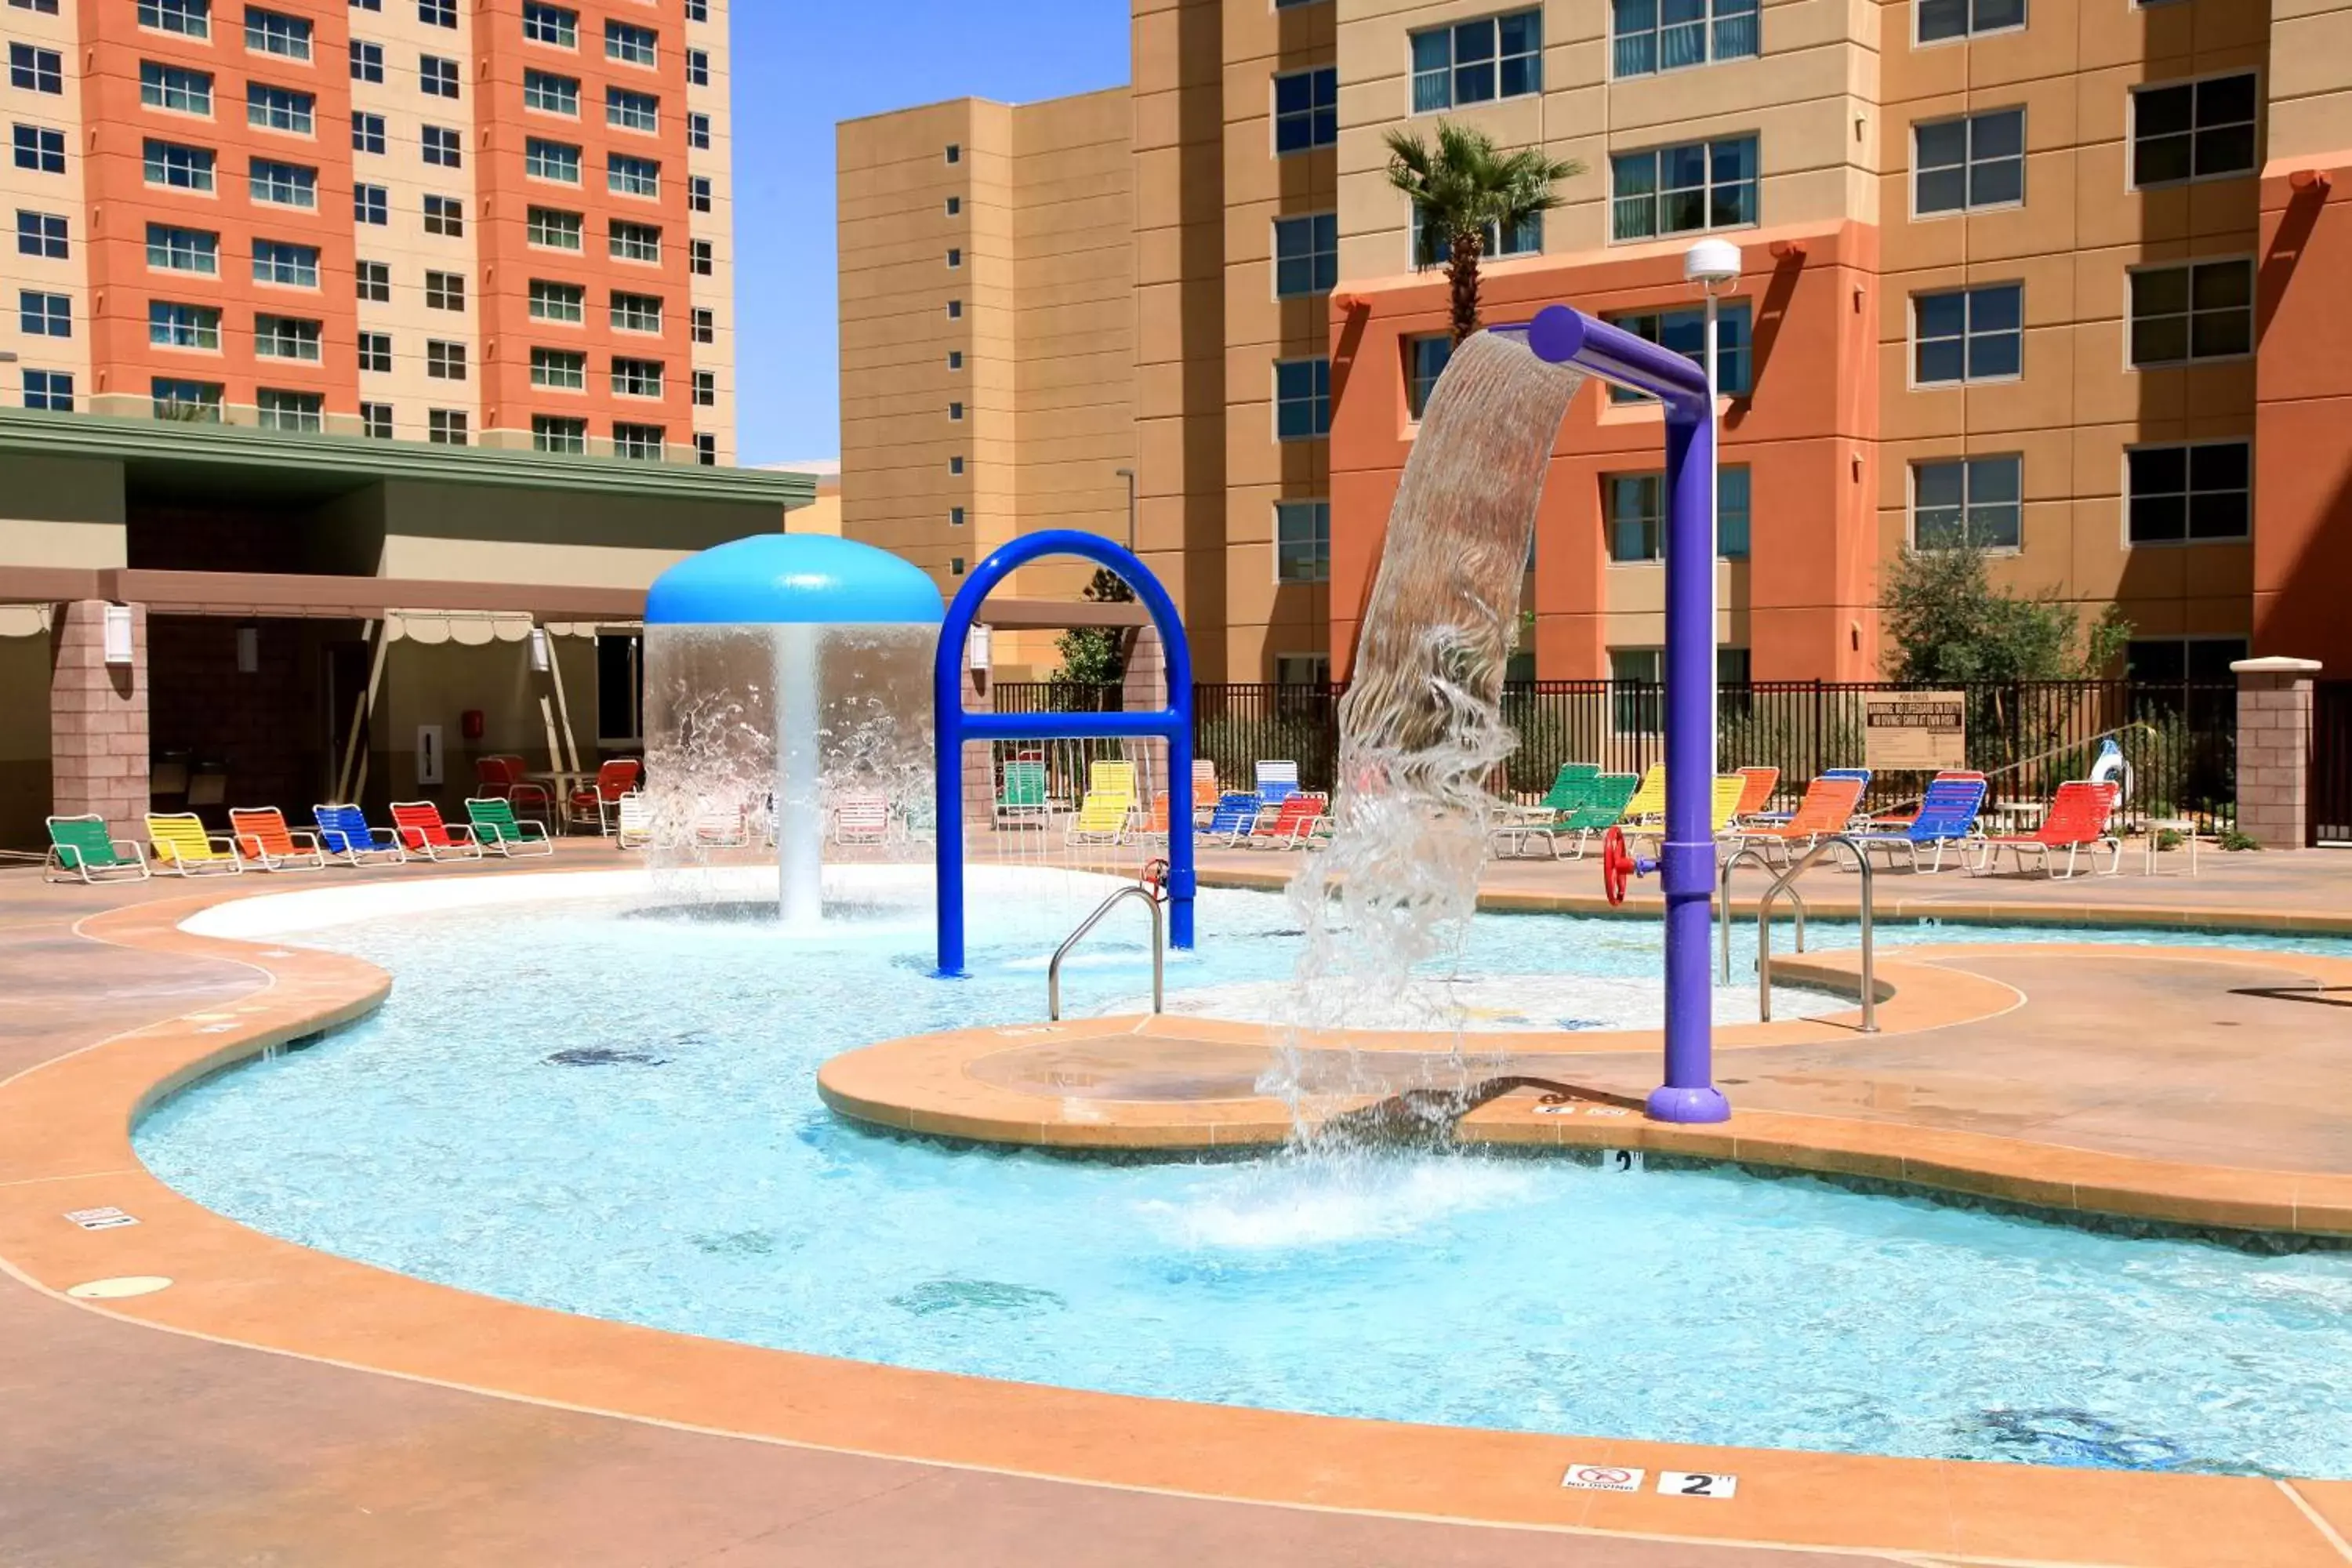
(955, 725)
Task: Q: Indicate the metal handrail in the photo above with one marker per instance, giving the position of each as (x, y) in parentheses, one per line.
(1158, 949)
(1783, 884)
(1723, 900)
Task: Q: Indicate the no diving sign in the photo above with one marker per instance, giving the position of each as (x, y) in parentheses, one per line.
(1602, 1479)
(1671, 1483)
(100, 1219)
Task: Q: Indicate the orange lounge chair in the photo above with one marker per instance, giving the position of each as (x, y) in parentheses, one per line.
(1827, 806)
(265, 840)
(2076, 820)
(1756, 788)
(421, 831)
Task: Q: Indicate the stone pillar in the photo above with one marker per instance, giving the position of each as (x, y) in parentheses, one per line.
(979, 771)
(98, 719)
(2274, 750)
(1144, 688)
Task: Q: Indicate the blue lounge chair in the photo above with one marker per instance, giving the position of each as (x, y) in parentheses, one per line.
(1235, 815)
(345, 836)
(1947, 814)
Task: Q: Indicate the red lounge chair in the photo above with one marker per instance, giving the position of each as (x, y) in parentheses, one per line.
(602, 800)
(1288, 826)
(2075, 821)
(422, 832)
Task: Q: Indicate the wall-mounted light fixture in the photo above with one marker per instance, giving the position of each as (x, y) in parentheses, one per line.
(117, 638)
(976, 650)
(248, 650)
(541, 658)
(2318, 180)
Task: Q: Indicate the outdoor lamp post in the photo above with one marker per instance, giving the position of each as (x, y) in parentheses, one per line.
(1714, 266)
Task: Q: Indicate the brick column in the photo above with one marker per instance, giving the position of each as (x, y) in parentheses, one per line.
(98, 719)
(1143, 689)
(979, 771)
(2274, 750)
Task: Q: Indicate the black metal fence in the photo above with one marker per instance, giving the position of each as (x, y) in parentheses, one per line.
(1055, 697)
(2331, 762)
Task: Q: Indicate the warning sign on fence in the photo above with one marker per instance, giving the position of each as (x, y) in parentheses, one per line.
(1915, 731)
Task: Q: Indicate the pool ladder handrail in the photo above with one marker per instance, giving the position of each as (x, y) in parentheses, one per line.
(1158, 949)
(1786, 883)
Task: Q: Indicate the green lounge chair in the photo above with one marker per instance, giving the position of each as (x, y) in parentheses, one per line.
(1570, 788)
(498, 832)
(81, 850)
(1603, 807)
(1021, 801)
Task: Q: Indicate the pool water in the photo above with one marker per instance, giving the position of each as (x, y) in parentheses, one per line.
(588, 1107)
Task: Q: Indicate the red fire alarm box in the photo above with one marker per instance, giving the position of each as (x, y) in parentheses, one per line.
(470, 723)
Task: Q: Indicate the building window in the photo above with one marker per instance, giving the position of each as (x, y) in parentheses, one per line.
(1301, 669)
(555, 230)
(291, 266)
(705, 327)
(445, 147)
(645, 443)
(185, 402)
(955, 310)
(1307, 110)
(1978, 161)
(697, 130)
(1476, 62)
(43, 235)
(444, 361)
(42, 151)
(634, 241)
(558, 301)
(955, 255)
(1302, 399)
(628, 176)
(374, 281)
(705, 449)
(2193, 130)
(448, 426)
(1636, 702)
(955, 466)
(706, 389)
(176, 326)
(445, 290)
(273, 33)
(49, 389)
(550, 94)
(561, 370)
(697, 69)
(191, 18)
(629, 44)
(2180, 494)
(1302, 542)
(44, 315)
(1967, 334)
(697, 10)
(301, 411)
(367, 61)
(1668, 35)
(1942, 19)
(955, 411)
(286, 337)
(1682, 190)
(627, 110)
(1975, 503)
(955, 359)
(175, 88)
(955, 565)
(1425, 361)
(375, 353)
(282, 184)
(697, 193)
(437, 77)
(2183, 661)
(955, 153)
(1305, 255)
(444, 215)
(278, 109)
(636, 312)
(955, 517)
(955, 205)
(371, 204)
(1684, 331)
(701, 260)
(35, 69)
(557, 432)
(367, 132)
(2203, 311)
(637, 377)
(558, 160)
(375, 421)
(1636, 519)
(172, 249)
(1426, 249)
(550, 25)
(437, 13)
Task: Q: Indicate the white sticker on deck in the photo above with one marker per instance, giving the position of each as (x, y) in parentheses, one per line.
(1580, 1109)
(1602, 1479)
(1697, 1483)
(100, 1219)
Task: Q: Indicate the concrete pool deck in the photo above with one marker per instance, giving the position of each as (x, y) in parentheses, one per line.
(280, 1404)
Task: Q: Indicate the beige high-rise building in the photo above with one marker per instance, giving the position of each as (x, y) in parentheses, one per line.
(2055, 277)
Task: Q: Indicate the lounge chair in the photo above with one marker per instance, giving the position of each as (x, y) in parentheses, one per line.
(184, 849)
(1290, 825)
(1756, 794)
(1236, 814)
(2077, 820)
(421, 831)
(1903, 818)
(1521, 826)
(1827, 806)
(861, 816)
(602, 799)
(1277, 781)
(499, 832)
(1947, 815)
(1649, 798)
(1771, 818)
(1101, 818)
(1723, 810)
(722, 827)
(81, 850)
(633, 818)
(345, 836)
(1020, 799)
(1205, 792)
(1153, 828)
(265, 840)
(1602, 809)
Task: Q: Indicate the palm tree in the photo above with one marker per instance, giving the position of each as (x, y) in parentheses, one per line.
(1464, 189)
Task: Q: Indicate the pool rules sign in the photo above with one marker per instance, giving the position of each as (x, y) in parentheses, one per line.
(1915, 731)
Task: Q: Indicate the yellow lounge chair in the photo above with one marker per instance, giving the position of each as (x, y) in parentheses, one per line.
(1101, 819)
(1649, 797)
(1722, 809)
(183, 847)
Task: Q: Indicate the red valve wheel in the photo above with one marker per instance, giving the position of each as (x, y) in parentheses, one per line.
(1617, 864)
(1154, 879)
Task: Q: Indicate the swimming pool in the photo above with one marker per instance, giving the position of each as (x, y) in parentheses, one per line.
(579, 1104)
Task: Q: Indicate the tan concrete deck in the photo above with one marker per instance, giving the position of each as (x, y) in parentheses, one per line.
(276, 1405)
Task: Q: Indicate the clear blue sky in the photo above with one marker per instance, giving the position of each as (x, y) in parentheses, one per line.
(802, 65)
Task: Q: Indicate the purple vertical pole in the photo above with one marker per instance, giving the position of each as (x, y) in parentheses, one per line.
(1687, 860)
